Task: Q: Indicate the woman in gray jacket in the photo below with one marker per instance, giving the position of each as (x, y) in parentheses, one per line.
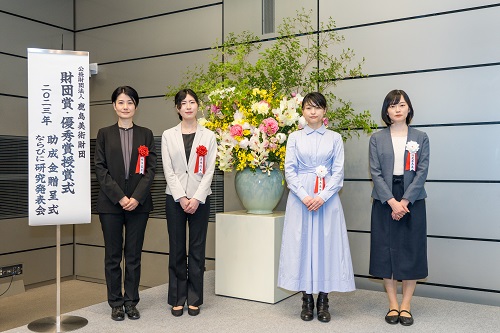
(399, 162)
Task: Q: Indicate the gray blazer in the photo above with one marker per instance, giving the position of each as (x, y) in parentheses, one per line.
(382, 166)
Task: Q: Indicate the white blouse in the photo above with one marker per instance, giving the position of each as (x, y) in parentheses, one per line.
(399, 144)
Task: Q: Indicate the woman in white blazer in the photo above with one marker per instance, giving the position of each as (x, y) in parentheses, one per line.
(188, 153)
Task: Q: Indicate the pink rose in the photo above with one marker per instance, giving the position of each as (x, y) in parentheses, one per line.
(269, 126)
(325, 121)
(236, 130)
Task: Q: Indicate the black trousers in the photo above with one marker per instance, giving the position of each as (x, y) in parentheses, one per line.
(186, 278)
(115, 247)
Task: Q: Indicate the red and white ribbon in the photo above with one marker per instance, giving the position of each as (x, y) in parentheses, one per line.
(201, 152)
(411, 162)
(320, 184)
(141, 160)
(411, 158)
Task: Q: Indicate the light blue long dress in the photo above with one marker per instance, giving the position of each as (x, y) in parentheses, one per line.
(315, 253)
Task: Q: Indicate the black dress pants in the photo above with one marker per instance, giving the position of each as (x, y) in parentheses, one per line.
(112, 229)
(186, 277)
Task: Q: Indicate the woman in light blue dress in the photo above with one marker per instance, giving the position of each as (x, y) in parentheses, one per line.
(315, 256)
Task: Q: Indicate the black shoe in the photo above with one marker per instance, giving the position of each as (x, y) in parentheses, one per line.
(394, 319)
(117, 313)
(132, 312)
(177, 313)
(307, 313)
(193, 312)
(322, 307)
(406, 321)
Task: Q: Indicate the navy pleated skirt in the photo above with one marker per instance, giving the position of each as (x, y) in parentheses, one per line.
(398, 249)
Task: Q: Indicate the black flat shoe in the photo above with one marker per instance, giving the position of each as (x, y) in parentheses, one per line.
(406, 321)
(117, 313)
(307, 313)
(193, 312)
(177, 313)
(322, 306)
(394, 319)
(132, 312)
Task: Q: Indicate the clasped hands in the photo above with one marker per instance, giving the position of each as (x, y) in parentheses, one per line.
(313, 204)
(399, 208)
(189, 205)
(128, 204)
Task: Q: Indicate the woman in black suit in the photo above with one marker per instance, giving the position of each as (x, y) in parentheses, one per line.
(125, 163)
(399, 162)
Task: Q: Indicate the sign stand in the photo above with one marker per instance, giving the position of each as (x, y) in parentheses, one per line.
(58, 324)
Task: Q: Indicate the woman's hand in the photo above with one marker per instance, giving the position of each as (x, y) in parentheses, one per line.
(124, 201)
(131, 205)
(313, 204)
(192, 206)
(399, 208)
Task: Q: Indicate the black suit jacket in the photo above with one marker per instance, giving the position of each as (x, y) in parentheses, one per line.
(110, 170)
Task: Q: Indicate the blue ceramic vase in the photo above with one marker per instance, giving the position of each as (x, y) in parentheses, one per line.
(259, 192)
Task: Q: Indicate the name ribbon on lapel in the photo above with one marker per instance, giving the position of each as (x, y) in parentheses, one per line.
(141, 160)
(411, 158)
(201, 152)
(321, 172)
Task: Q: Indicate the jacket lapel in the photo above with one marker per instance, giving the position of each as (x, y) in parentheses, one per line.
(196, 143)
(136, 142)
(180, 143)
(118, 143)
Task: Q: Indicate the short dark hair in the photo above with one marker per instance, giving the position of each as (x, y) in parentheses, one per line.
(181, 95)
(392, 98)
(314, 98)
(127, 90)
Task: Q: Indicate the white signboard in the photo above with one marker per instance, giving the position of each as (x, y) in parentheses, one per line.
(58, 131)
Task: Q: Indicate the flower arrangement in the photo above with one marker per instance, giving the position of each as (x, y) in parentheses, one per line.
(253, 105)
(251, 126)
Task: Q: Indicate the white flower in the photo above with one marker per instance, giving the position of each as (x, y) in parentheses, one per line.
(412, 146)
(202, 121)
(299, 98)
(302, 122)
(246, 126)
(321, 171)
(221, 93)
(244, 143)
(238, 117)
(281, 137)
(261, 107)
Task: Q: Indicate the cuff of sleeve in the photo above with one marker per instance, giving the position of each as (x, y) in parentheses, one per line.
(302, 194)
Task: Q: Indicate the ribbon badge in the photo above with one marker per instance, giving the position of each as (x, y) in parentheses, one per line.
(321, 172)
(141, 160)
(411, 158)
(201, 152)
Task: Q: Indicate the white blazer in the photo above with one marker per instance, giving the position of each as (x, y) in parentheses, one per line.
(179, 174)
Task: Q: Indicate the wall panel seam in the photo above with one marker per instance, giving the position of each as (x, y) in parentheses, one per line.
(490, 240)
(34, 249)
(37, 21)
(150, 17)
(409, 18)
